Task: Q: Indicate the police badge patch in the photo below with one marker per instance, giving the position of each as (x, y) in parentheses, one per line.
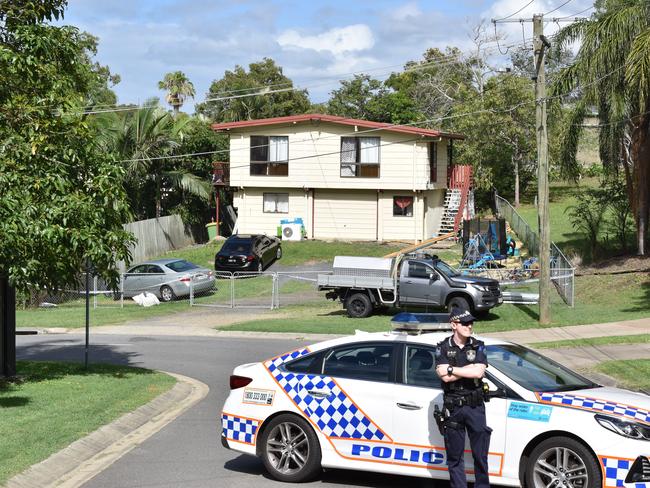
(471, 355)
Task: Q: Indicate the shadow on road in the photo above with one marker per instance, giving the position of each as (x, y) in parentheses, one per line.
(73, 351)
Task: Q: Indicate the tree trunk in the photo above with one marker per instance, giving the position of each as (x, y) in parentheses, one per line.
(7, 328)
(641, 180)
(516, 161)
(158, 198)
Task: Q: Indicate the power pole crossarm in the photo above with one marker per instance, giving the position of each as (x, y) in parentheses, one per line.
(540, 44)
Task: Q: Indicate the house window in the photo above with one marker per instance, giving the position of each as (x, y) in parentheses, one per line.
(403, 206)
(450, 160)
(433, 162)
(360, 157)
(276, 203)
(269, 156)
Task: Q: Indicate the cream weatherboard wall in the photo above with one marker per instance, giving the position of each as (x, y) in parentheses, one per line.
(341, 216)
(314, 159)
(251, 218)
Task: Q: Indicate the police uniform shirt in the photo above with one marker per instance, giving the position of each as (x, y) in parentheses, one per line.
(447, 352)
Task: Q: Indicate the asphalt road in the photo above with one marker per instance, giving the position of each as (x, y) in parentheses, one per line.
(188, 452)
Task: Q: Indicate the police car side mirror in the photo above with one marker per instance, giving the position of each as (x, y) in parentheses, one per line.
(497, 393)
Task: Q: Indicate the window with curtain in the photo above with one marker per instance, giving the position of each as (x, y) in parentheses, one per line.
(360, 157)
(276, 203)
(433, 162)
(403, 206)
(269, 156)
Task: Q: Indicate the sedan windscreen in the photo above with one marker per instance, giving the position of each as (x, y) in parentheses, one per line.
(534, 371)
(237, 246)
(180, 266)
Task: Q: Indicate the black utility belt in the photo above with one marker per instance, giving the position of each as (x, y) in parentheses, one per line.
(472, 398)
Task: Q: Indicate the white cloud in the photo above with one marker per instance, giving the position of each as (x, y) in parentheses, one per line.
(407, 11)
(338, 40)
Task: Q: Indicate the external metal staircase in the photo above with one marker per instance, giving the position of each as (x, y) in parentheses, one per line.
(452, 203)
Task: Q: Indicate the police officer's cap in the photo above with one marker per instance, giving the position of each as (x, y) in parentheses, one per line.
(461, 315)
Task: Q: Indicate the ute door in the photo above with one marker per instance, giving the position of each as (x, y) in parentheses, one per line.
(420, 284)
(416, 394)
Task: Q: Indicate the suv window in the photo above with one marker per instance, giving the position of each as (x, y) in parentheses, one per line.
(420, 369)
(360, 362)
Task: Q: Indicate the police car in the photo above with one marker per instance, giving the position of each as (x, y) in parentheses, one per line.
(366, 402)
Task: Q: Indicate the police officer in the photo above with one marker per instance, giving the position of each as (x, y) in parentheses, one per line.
(461, 363)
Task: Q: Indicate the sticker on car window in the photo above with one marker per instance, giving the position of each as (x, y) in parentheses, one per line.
(529, 411)
(258, 397)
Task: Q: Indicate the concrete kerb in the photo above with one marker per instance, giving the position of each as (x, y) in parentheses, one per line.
(87, 457)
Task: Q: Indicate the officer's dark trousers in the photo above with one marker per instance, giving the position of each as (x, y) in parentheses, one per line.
(472, 419)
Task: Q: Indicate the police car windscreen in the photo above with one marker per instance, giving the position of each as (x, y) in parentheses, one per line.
(534, 371)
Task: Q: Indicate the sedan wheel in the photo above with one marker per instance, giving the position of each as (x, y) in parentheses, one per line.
(563, 463)
(166, 294)
(291, 449)
(278, 253)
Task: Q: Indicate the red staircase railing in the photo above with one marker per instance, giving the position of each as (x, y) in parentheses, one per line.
(461, 179)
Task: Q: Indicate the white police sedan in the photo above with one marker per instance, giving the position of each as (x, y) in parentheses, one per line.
(366, 402)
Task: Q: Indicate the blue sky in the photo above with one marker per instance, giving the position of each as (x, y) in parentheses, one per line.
(316, 42)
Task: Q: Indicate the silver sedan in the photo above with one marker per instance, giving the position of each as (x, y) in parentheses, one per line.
(167, 279)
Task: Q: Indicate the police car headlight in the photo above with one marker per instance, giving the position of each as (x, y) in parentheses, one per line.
(481, 288)
(626, 428)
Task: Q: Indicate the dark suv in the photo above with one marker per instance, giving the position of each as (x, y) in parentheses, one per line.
(247, 253)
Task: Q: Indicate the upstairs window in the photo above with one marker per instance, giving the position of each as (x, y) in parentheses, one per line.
(269, 156)
(359, 157)
(433, 162)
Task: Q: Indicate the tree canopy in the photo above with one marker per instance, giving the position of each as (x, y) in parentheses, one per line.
(612, 73)
(62, 201)
(178, 88)
(229, 98)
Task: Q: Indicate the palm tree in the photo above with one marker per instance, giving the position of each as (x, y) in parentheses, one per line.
(612, 72)
(142, 140)
(178, 88)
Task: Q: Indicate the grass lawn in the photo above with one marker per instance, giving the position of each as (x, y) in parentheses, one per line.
(303, 252)
(58, 403)
(595, 341)
(633, 374)
(595, 303)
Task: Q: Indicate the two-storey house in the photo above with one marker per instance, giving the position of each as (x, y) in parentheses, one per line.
(347, 179)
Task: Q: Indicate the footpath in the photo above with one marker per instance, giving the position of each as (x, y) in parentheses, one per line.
(87, 457)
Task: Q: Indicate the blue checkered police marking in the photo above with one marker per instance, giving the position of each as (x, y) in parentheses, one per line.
(335, 415)
(596, 405)
(615, 470)
(239, 429)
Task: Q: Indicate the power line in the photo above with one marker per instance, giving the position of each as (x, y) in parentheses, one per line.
(557, 8)
(512, 14)
(576, 14)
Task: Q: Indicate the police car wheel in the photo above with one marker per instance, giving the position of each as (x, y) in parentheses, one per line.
(358, 306)
(562, 462)
(290, 449)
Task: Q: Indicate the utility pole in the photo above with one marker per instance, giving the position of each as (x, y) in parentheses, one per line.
(7, 328)
(540, 44)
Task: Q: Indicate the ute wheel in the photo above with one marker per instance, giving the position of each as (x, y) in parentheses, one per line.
(278, 253)
(358, 306)
(166, 294)
(562, 461)
(290, 449)
(458, 302)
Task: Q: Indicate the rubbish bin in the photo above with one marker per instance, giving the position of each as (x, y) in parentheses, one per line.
(212, 230)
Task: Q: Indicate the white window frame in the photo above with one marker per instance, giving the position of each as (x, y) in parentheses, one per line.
(275, 203)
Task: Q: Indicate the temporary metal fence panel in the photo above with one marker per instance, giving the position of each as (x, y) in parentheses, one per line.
(296, 287)
(562, 273)
(221, 295)
(254, 290)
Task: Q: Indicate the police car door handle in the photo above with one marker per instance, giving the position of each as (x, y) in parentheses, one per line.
(319, 393)
(409, 406)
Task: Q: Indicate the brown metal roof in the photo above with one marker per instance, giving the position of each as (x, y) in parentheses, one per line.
(292, 119)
